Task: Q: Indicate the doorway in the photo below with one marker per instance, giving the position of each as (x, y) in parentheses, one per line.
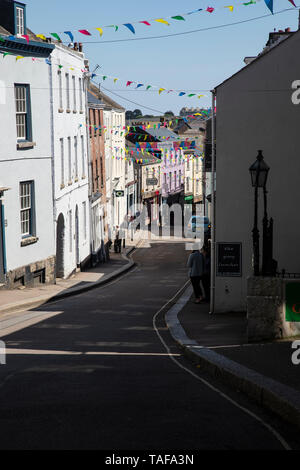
(60, 246)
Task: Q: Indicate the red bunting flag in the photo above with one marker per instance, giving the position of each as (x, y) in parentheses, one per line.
(84, 31)
(25, 36)
(128, 83)
(145, 22)
(292, 2)
(210, 9)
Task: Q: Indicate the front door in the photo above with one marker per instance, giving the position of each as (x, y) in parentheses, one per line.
(2, 252)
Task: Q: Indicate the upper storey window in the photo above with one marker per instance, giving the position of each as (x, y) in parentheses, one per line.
(20, 21)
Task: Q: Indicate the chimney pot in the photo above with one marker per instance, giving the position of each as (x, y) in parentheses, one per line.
(80, 47)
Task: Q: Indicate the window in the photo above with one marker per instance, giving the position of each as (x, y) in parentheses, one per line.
(20, 21)
(180, 178)
(60, 89)
(80, 94)
(70, 159)
(70, 232)
(68, 90)
(26, 213)
(62, 162)
(188, 163)
(197, 164)
(187, 184)
(74, 93)
(83, 156)
(197, 187)
(23, 118)
(84, 221)
(76, 156)
(175, 178)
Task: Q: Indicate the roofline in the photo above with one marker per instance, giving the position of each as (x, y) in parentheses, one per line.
(260, 56)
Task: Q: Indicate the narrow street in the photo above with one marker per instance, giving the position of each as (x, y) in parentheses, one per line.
(96, 375)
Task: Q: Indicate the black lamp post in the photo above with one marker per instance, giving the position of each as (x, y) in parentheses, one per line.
(259, 174)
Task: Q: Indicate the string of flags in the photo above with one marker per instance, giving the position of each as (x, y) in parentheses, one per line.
(160, 89)
(132, 25)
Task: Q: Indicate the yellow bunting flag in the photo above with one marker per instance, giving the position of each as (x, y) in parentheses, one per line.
(41, 36)
(100, 31)
(200, 96)
(230, 7)
(19, 57)
(160, 90)
(161, 20)
(115, 80)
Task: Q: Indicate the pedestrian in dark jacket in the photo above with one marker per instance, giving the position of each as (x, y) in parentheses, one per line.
(196, 265)
(206, 275)
(118, 241)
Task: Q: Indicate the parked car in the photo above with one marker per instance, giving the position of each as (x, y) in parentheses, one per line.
(197, 225)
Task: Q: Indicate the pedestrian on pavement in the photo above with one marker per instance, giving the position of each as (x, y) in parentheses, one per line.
(206, 275)
(118, 241)
(196, 265)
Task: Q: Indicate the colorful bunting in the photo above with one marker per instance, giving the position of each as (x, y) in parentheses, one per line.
(230, 7)
(161, 20)
(85, 32)
(210, 9)
(100, 31)
(25, 36)
(178, 17)
(292, 2)
(56, 36)
(145, 22)
(269, 4)
(130, 27)
(129, 83)
(160, 90)
(41, 36)
(69, 33)
(19, 57)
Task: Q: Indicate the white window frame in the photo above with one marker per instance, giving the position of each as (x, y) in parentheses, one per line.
(80, 94)
(82, 156)
(68, 90)
(74, 93)
(76, 155)
(22, 111)
(62, 162)
(70, 232)
(59, 74)
(26, 208)
(20, 21)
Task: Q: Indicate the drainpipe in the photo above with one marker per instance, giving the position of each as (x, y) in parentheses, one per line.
(213, 209)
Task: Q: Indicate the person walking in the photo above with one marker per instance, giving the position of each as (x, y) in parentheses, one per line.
(206, 276)
(196, 265)
(118, 241)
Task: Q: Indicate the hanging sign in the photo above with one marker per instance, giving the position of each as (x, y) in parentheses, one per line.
(229, 259)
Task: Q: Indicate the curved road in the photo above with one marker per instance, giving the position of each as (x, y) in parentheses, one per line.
(96, 375)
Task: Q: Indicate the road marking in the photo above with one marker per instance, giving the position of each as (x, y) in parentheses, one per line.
(273, 431)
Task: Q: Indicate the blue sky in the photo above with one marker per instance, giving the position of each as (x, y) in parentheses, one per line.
(196, 61)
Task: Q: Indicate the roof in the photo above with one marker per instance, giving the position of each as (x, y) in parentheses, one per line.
(162, 132)
(260, 56)
(94, 100)
(105, 99)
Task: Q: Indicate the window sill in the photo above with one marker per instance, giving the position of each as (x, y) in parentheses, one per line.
(74, 112)
(60, 110)
(68, 111)
(70, 183)
(25, 145)
(62, 186)
(29, 241)
(76, 180)
(81, 112)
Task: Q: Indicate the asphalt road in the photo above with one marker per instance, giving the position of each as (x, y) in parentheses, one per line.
(97, 376)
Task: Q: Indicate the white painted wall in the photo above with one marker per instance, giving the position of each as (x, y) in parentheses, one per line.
(255, 111)
(33, 164)
(70, 122)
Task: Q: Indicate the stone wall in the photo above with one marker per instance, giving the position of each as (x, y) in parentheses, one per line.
(39, 272)
(266, 310)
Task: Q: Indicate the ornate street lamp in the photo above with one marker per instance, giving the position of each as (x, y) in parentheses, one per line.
(259, 174)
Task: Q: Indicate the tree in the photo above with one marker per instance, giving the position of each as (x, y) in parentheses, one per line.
(169, 113)
(137, 113)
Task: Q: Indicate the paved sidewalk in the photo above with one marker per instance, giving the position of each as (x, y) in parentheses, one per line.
(20, 299)
(218, 344)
